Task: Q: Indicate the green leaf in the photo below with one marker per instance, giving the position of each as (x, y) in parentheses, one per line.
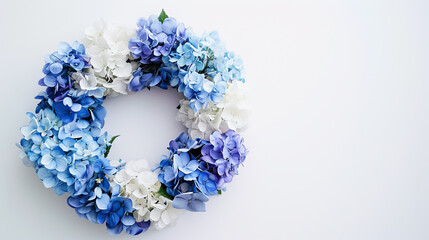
(219, 192)
(113, 139)
(162, 16)
(109, 146)
(163, 192)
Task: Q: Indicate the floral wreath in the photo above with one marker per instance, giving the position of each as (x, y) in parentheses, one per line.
(64, 142)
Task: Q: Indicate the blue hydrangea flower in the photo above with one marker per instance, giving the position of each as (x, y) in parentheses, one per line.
(154, 39)
(206, 183)
(78, 105)
(194, 202)
(142, 79)
(59, 66)
(183, 163)
(180, 170)
(203, 68)
(94, 199)
(54, 159)
(47, 177)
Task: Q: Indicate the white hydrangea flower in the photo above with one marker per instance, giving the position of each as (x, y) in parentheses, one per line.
(141, 185)
(107, 45)
(164, 213)
(231, 113)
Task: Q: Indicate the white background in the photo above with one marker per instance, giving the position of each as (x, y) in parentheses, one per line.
(339, 134)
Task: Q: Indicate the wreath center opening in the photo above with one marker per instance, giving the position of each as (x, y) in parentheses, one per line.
(145, 121)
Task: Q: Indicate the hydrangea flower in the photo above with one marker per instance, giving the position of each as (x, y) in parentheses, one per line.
(179, 171)
(79, 105)
(60, 152)
(231, 113)
(54, 159)
(223, 155)
(143, 78)
(154, 40)
(96, 200)
(194, 202)
(184, 172)
(44, 123)
(204, 68)
(107, 45)
(163, 213)
(141, 185)
(88, 81)
(59, 66)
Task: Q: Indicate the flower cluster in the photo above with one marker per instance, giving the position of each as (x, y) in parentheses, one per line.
(196, 169)
(231, 113)
(59, 67)
(155, 38)
(64, 142)
(141, 185)
(170, 54)
(223, 155)
(95, 199)
(107, 45)
(204, 68)
(58, 152)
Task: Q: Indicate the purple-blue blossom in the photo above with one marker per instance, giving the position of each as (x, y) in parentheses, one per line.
(154, 39)
(194, 202)
(223, 155)
(59, 66)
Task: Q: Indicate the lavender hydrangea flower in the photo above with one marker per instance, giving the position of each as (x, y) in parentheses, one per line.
(194, 202)
(154, 39)
(223, 155)
(142, 79)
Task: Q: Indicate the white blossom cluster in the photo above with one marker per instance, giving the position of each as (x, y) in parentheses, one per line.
(107, 45)
(141, 185)
(232, 113)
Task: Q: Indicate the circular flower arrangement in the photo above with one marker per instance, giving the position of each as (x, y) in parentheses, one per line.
(65, 144)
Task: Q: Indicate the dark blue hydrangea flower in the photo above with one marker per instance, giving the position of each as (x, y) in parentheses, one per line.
(184, 173)
(200, 167)
(142, 79)
(180, 170)
(95, 199)
(78, 105)
(59, 67)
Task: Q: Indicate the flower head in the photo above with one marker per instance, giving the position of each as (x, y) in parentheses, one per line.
(155, 39)
(223, 155)
(202, 69)
(107, 45)
(60, 65)
(194, 202)
(231, 113)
